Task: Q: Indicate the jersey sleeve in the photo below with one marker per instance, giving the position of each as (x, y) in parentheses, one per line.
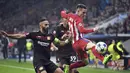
(82, 29)
(57, 35)
(28, 35)
(64, 14)
(52, 37)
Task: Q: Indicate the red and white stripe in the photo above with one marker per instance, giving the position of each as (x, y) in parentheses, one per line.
(74, 30)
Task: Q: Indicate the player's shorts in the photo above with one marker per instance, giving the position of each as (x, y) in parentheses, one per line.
(79, 46)
(49, 68)
(67, 59)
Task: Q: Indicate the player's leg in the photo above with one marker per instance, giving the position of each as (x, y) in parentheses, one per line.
(60, 65)
(4, 53)
(65, 62)
(91, 46)
(52, 68)
(20, 54)
(24, 52)
(78, 64)
(58, 70)
(74, 71)
(72, 59)
(95, 62)
(40, 69)
(83, 60)
(82, 55)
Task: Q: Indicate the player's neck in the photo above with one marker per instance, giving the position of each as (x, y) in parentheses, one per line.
(78, 14)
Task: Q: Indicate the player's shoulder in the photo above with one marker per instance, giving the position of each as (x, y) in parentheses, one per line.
(71, 14)
(33, 33)
(75, 16)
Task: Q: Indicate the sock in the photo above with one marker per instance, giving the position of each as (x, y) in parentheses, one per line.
(77, 65)
(97, 54)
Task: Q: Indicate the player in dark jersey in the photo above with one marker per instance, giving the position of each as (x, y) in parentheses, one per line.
(65, 55)
(42, 43)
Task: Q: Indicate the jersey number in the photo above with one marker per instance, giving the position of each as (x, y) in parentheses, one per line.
(73, 58)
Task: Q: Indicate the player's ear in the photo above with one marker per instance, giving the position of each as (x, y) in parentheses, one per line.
(40, 24)
(78, 9)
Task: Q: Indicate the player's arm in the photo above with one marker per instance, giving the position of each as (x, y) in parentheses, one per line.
(84, 30)
(64, 14)
(12, 35)
(57, 41)
(53, 47)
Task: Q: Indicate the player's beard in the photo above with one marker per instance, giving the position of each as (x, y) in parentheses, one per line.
(45, 30)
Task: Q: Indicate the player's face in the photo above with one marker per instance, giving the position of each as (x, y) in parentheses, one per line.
(44, 25)
(64, 20)
(83, 13)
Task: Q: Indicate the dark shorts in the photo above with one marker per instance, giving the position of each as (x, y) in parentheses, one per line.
(49, 68)
(79, 47)
(67, 59)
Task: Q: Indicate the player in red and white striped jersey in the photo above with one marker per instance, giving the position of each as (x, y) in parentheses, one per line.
(79, 43)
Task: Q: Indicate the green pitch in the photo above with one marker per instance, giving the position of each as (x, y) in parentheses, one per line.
(12, 66)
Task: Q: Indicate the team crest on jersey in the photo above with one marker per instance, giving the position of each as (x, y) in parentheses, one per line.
(48, 38)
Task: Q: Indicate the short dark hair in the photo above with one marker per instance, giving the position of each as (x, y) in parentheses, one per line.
(43, 19)
(81, 6)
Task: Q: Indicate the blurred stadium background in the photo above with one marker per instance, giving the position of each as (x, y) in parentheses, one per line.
(18, 16)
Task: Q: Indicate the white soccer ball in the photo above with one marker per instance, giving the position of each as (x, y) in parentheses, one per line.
(101, 47)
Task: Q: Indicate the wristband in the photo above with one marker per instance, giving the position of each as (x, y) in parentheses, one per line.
(56, 40)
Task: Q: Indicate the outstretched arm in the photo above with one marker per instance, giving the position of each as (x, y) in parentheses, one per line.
(84, 30)
(64, 14)
(12, 35)
(62, 43)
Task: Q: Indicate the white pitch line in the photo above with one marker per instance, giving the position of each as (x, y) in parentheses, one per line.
(11, 66)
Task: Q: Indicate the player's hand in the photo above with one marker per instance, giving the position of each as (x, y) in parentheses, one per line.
(67, 35)
(3, 33)
(64, 36)
(54, 48)
(96, 29)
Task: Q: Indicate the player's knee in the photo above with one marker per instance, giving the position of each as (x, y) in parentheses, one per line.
(90, 45)
(58, 70)
(43, 71)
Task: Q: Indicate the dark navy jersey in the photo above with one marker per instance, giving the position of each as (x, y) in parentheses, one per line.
(66, 49)
(42, 43)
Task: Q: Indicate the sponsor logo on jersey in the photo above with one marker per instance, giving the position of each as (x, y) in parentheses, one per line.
(43, 43)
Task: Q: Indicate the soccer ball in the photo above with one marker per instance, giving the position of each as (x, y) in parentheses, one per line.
(101, 47)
